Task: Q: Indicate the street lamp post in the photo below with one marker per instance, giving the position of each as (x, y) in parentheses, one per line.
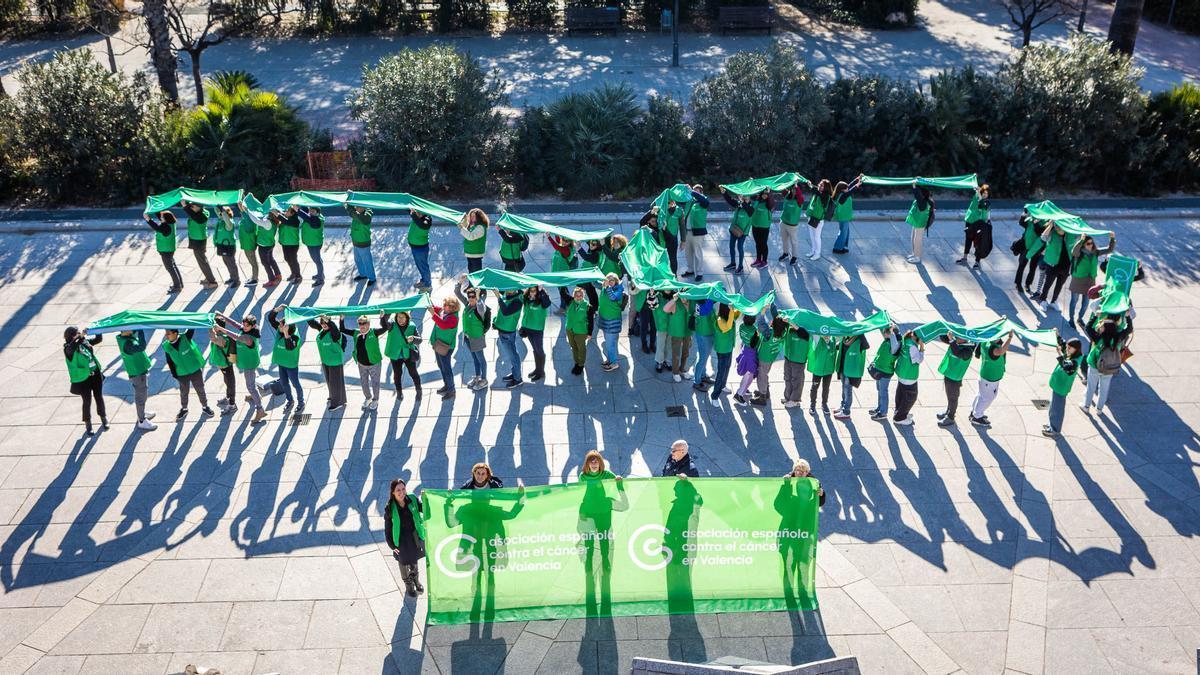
(675, 36)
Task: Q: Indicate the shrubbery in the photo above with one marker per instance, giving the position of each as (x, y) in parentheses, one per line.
(874, 13)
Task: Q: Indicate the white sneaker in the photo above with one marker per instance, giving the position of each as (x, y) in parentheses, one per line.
(913, 259)
(147, 425)
(150, 415)
(365, 404)
(726, 390)
(716, 403)
(677, 378)
(1087, 409)
(374, 404)
(906, 422)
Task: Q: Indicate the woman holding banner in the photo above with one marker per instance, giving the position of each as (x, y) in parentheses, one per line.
(822, 361)
(851, 363)
(165, 243)
(225, 241)
(977, 228)
(247, 358)
(992, 359)
(1055, 266)
(285, 354)
(312, 235)
(724, 339)
(908, 371)
(1061, 381)
(476, 321)
(87, 378)
(578, 324)
(443, 337)
(197, 231)
(920, 219)
(331, 345)
(419, 225)
(1028, 249)
(739, 227)
(535, 302)
(367, 356)
(843, 213)
(247, 236)
(187, 366)
(882, 368)
(562, 260)
(595, 527)
(760, 226)
(404, 530)
(264, 240)
(403, 349)
(611, 303)
(474, 226)
(819, 209)
(789, 218)
(1085, 263)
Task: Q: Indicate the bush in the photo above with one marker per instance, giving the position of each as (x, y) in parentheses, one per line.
(532, 137)
(661, 155)
(874, 122)
(1174, 123)
(874, 13)
(764, 114)
(455, 15)
(431, 122)
(531, 13)
(1186, 17)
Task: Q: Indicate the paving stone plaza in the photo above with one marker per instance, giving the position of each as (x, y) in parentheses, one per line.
(260, 548)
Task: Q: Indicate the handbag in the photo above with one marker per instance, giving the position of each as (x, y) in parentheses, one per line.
(441, 348)
(1018, 246)
(476, 344)
(736, 231)
(875, 373)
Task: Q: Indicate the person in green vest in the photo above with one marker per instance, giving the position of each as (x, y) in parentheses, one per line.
(657, 301)
(474, 226)
(331, 347)
(1061, 381)
(760, 227)
(595, 518)
(680, 327)
(819, 209)
(795, 360)
(952, 369)
(790, 213)
(360, 243)
(264, 240)
(919, 219)
(611, 301)
(562, 260)
(535, 303)
(1055, 265)
(225, 241)
(705, 320)
(770, 344)
(247, 231)
(312, 235)
(197, 232)
(822, 361)
(136, 362)
(843, 212)
(187, 367)
(1028, 249)
(883, 367)
(695, 231)
(992, 359)
(724, 340)
(739, 228)
(476, 322)
(403, 349)
(221, 355)
(512, 249)
(289, 241)
(285, 355)
(977, 228)
(908, 372)
(404, 530)
(670, 222)
(164, 243)
(368, 356)
(418, 242)
(508, 320)
(578, 323)
(851, 364)
(747, 358)
(589, 254)
(247, 357)
(1085, 265)
(442, 338)
(610, 260)
(87, 378)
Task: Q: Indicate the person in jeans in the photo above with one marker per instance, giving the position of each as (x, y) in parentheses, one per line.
(883, 367)
(908, 371)
(225, 241)
(221, 356)
(476, 320)
(443, 338)
(197, 231)
(535, 302)
(418, 243)
(264, 239)
(611, 301)
(952, 368)
(578, 324)
(360, 243)
(739, 228)
(1061, 381)
(1107, 333)
(403, 350)
(246, 346)
(368, 356)
(474, 227)
(694, 232)
(187, 367)
(851, 364)
(285, 355)
(680, 327)
(512, 249)
(706, 326)
(331, 346)
(992, 360)
(312, 235)
(404, 530)
(87, 378)
(164, 243)
(795, 362)
(1085, 263)
(136, 362)
(724, 340)
(843, 213)
(508, 318)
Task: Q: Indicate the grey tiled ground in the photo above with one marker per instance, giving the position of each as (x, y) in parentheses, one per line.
(259, 549)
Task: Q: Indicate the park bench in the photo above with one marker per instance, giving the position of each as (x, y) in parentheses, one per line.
(746, 18)
(593, 19)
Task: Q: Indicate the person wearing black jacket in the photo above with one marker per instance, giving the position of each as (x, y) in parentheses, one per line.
(953, 367)
(482, 479)
(335, 374)
(403, 528)
(367, 356)
(86, 377)
(742, 210)
(165, 244)
(418, 243)
(287, 340)
(187, 367)
(510, 304)
(590, 251)
(679, 462)
(694, 232)
(512, 249)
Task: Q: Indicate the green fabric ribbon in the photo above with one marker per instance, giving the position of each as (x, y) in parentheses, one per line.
(1068, 222)
(715, 291)
(167, 200)
(966, 182)
(646, 263)
(500, 280)
(776, 183)
(411, 303)
(150, 320)
(1118, 282)
(515, 223)
(820, 324)
(402, 201)
(680, 193)
(989, 332)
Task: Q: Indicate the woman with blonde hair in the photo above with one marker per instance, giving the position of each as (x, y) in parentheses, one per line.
(801, 469)
(443, 337)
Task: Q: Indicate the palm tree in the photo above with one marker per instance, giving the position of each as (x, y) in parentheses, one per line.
(1123, 29)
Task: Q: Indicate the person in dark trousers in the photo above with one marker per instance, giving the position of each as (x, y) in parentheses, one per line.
(312, 235)
(289, 241)
(165, 244)
(197, 231)
(367, 356)
(418, 243)
(760, 227)
(535, 302)
(220, 351)
(187, 367)
(87, 380)
(404, 529)
(1028, 248)
(952, 368)
(908, 372)
(225, 241)
(285, 354)
(331, 345)
(264, 239)
(562, 260)
(403, 349)
(482, 479)
(670, 223)
(245, 346)
(802, 470)
(977, 226)
(1055, 266)
(679, 462)
(1061, 381)
(512, 249)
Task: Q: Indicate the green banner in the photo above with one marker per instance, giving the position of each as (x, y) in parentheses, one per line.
(409, 304)
(1068, 222)
(715, 291)
(306, 198)
(254, 206)
(500, 280)
(167, 200)
(1119, 273)
(524, 225)
(402, 201)
(820, 324)
(776, 183)
(989, 332)
(151, 320)
(680, 193)
(966, 182)
(621, 548)
(646, 262)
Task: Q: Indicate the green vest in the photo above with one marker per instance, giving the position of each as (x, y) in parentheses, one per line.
(1086, 266)
(165, 243)
(418, 519)
(885, 360)
(397, 345)
(762, 214)
(197, 227)
(137, 363)
(80, 366)
(417, 235)
(446, 335)
(472, 323)
(854, 360)
(952, 367)
(510, 250)
(289, 231)
(768, 348)
(374, 355)
(746, 332)
(795, 348)
(723, 339)
(905, 368)
(560, 264)
(225, 234)
(577, 313)
(822, 357)
(639, 301)
(916, 217)
(741, 220)
(706, 324)
(247, 234)
(218, 357)
(976, 213)
(661, 319)
(1060, 381)
(313, 235)
(248, 357)
(991, 369)
(284, 357)
(670, 221)
(609, 265)
(534, 316)
(333, 353)
(678, 326)
(843, 212)
(360, 229)
(476, 246)
(185, 355)
(697, 218)
(1054, 249)
(1033, 242)
(507, 323)
(790, 215)
(816, 208)
(265, 236)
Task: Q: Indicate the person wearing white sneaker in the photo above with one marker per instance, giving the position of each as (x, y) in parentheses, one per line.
(476, 321)
(680, 327)
(920, 218)
(368, 356)
(992, 359)
(248, 357)
(135, 361)
(819, 209)
(851, 364)
(908, 371)
(1109, 335)
(883, 367)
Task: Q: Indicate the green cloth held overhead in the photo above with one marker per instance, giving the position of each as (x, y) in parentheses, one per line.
(819, 324)
(680, 193)
(151, 320)
(986, 333)
(515, 223)
(1067, 222)
(646, 263)
(318, 198)
(715, 291)
(501, 280)
(167, 200)
(777, 183)
(402, 201)
(1118, 281)
(413, 302)
(965, 182)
